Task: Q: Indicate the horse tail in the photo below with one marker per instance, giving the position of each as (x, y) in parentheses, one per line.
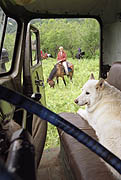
(72, 68)
(52, 73)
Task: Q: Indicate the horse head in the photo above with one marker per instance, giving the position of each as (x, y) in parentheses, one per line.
(51, 83)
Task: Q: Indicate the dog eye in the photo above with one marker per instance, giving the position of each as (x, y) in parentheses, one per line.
(87, 93)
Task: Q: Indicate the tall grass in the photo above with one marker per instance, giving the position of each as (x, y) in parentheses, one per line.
(61, 98)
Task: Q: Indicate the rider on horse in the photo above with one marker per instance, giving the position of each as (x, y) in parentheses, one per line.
(62, 58)
(59, 67)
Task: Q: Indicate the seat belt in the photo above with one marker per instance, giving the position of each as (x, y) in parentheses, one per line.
(34, 107)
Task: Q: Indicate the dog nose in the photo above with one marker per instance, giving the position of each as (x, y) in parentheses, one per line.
(76, 101)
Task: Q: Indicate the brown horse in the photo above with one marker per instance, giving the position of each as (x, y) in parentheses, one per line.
(58, 71)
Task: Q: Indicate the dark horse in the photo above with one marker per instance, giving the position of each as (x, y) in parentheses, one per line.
(58, 71)
(80, 55)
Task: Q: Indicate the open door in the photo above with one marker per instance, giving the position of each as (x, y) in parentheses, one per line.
(33, 77)
(33, 83)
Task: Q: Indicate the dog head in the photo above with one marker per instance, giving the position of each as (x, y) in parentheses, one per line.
(91, 92)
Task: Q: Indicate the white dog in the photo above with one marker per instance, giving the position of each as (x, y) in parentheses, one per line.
(103, 113)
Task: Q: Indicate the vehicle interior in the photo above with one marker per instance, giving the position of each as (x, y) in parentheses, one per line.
(72, 160)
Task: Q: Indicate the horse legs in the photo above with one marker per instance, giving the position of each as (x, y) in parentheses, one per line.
(71, 77)
(64, 81)
(57, 80)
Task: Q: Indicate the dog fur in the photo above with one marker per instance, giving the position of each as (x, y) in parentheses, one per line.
(103, 113)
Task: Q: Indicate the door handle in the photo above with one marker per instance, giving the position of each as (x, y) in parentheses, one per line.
(39, 82)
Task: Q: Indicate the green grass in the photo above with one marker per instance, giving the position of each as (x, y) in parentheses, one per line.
(61, 98)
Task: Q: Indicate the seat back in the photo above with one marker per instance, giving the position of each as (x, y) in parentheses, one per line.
(114, 76)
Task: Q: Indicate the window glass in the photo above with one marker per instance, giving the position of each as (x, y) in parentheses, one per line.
(8, 45)
(2, 22)
(35, 59)
(34, 48)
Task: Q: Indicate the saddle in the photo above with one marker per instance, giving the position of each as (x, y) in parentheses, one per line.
(69, 66)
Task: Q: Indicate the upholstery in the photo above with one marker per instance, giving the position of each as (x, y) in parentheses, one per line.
(84, 164)
(114, 76)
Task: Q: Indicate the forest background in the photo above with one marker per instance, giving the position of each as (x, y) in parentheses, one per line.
(69, 33)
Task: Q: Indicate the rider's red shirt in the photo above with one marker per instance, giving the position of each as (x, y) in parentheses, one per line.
(61, 56)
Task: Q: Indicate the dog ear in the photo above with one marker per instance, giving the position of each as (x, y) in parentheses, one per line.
(92, 76)
(100, 84)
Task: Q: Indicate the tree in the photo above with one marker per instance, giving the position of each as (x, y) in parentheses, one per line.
(71, 34)
(90, 37)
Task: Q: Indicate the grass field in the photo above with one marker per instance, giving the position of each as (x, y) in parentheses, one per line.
(61, 98)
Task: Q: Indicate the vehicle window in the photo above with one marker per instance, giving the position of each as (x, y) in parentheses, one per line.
(34, 48)
(2, 22)
(8, 45)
